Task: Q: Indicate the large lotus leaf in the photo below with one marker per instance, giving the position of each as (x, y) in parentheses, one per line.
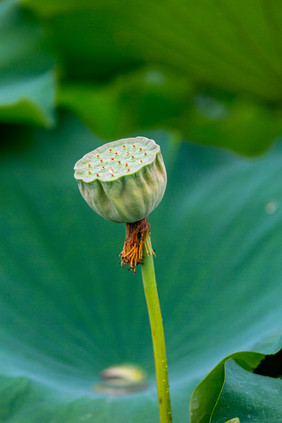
(68, 310)
(27, 82)
(233, 44)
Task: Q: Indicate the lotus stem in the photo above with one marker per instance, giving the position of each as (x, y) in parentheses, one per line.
(156, 323)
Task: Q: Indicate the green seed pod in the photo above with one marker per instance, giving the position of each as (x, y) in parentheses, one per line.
(124, 180)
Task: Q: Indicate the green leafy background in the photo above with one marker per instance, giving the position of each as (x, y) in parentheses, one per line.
(70, 310)
(207, 72)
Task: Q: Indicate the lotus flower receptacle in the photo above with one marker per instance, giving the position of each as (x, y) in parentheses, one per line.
(124, 180)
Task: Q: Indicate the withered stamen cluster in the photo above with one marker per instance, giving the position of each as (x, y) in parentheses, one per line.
(137, 236)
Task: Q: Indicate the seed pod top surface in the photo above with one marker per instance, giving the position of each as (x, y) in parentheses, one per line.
(123, 180)
(116, 159)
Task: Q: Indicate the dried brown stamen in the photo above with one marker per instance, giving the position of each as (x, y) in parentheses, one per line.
(137, 240)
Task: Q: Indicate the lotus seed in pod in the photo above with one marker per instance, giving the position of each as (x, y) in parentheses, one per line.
(124, 180)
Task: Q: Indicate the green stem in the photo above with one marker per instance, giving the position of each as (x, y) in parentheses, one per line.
(156, 322)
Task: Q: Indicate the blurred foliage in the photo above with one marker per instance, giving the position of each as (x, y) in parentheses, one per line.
(27, 69)
(234, 45)
(210, 71)
(151, 98)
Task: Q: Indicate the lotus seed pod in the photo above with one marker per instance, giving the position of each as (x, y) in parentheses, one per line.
(124, 180)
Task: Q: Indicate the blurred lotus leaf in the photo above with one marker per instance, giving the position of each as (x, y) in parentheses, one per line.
(27, 69)
(68, 310)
